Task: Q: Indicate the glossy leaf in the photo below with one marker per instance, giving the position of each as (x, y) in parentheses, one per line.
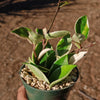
(64, 45)
(56, 34)
(44, 51)
(45, 57)
(76, 57)
(60, 74)
(50, 59)
(58, 63)
(37, 72)
(39, 31)
(82, 26)
(38, 49)
(29, 34)
(22, 31)
(70, 55)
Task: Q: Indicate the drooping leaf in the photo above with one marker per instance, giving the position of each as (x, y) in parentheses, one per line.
(82, 26)
(60, 74)
(64, 45)
(37, 72)
(56, 34)
(76, 57)
(58, 63)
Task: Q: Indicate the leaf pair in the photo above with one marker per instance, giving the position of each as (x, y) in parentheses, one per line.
(39, 35)
(29, 34)
(60, 70)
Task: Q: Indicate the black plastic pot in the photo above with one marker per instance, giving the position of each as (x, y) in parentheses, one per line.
(37, 94)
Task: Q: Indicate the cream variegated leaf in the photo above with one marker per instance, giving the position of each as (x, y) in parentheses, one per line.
(76, 57)
(43, 52)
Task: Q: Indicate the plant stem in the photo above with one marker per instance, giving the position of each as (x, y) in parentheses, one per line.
(44, 43)
(58, 8)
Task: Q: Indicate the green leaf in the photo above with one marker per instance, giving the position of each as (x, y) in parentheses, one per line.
(50, 59)
(39, 31)
(64, 45)
(35, 38)
(22, 31)
(56, 34)
(38, 49)
(60, 74)
(43, 52)
(70, 55)
(82, 26)
(45, 57)
(43, 69)
(48, 45)
(58, 63)
(29, 34)
(33, 58)
(37, 72)
(30, 60)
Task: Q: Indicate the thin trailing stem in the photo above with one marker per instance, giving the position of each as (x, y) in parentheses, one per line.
(87, 96)
(58, 8)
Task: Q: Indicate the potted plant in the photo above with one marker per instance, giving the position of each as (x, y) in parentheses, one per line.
(49, 74)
